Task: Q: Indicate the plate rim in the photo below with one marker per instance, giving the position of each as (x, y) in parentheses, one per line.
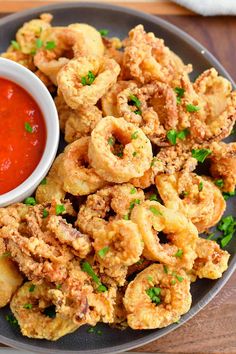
(220, 283)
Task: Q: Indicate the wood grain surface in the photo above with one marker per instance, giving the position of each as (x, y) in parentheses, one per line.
(213, 330)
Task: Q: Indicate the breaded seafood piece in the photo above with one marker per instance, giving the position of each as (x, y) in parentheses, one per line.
(197, 197)
(10, 279)
(181, 235)
(211, 261)
(119, 150)
(157, 297)
(84, 80)
(223, 164)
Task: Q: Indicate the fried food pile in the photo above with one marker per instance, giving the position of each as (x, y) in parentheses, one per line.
(112, 234)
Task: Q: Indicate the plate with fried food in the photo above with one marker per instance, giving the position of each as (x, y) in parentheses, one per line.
(131, 232)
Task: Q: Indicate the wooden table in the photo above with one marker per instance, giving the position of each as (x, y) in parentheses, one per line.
(213, 330)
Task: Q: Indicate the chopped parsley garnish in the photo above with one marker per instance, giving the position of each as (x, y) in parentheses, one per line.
(134, 135)
(219, 183)
(30, 201)
(132, 204)
(227, 226)
(227, 195)
(183, 194)
(103, 32)
(50, 311)
(179, 253)
(28, 127)
(140, 261)
(94, 330)
(15, 45)
(135, 102)
(39, 43)
(180, 279)
(191, 108)
(44, 181)
(200, 186)
(210, 237)
(173, 135)
(154, 293)
(111, 141)
(58, 286)
(45, 213)
(126, 217)
(133, 190)
(165, 269)
(32, 288)
(28, 306)
(201, 154)
(154, 197)
(155, 211)
(180, 93)
(12, 320)
(154, 160)
(173, 282)
(50, 45)
(103, 252)
(60, 208)
(149, 278)
(86, 267)
(134, 153)
(88, 79)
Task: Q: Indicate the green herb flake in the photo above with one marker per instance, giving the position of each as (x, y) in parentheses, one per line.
(111, 141)
(32, 288)
(101, 288)
(39, 43)
(153, 197)
(88, 79)
(165, 269)
(200, 186)
(30, 201)
(91, 330)
(132, 204)
(134, 135)
(103, 32)
(183, 134)
(45, 213)
(155, 211)
(172, 136)
(12, 320)
(28, 306)
(103, 252)
(50, 45)
(140, 261)
(173, 282)
(150, 279)
(179, 93)
(15, 45)
(219, 183)
(179, 253)
(227, 226)
(227, 195)
(126, 217)
(44, 181)
(191, 108)
(135, 101)
(60, 208)
(201, 154)
(86, 267)
(58, 286)
(28, 127)
(154, 293)
(133, 190)
(179, 278)
(134, 153)
(210, 237)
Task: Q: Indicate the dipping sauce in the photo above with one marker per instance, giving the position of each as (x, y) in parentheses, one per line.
(22, 135)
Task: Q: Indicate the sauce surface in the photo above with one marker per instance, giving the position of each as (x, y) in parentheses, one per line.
(22, 135)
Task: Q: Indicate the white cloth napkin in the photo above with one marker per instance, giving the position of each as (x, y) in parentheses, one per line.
(210, 7)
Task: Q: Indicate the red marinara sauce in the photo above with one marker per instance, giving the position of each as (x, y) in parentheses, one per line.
(22, 135)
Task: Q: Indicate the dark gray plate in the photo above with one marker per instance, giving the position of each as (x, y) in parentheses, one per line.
(119, 21)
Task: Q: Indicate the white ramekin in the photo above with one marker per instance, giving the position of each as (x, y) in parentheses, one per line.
(33, 85)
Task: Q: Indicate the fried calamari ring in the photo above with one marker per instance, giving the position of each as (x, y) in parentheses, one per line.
(68, 235)
(148, 59)
(153, 218)
(10, 279)
(156, 112)
(223, 164)
(29, 308)
(76, 123)
(119, 199)
(211, 261)
(109, 100)
(156, 299)
(218, 106)
(52, 190)
(119, 243)
(28, 34)
(195, 196)
(19, 57)
(70, 80)
(77, 177)
(135, 152)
